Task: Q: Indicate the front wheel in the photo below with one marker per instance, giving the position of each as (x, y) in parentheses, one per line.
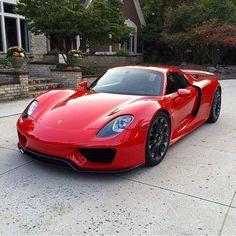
(158, 139)
(216, 107)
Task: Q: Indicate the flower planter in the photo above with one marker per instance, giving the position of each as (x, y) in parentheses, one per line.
(73, 61)
(17, 62)
(74, 58)
(16, 56)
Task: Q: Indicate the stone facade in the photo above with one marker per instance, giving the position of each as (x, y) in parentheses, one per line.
(38, 45)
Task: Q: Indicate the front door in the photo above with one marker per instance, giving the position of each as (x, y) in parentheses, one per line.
(181, 107)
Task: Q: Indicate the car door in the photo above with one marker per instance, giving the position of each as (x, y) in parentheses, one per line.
(182, 107)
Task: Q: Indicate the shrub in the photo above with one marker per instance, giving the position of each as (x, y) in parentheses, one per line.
(54, 52)
(122, 52)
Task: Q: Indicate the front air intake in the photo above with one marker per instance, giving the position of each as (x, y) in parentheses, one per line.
(98, 155)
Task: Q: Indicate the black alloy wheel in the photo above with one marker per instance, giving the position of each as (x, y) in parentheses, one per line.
(158, 139)
(216, 107)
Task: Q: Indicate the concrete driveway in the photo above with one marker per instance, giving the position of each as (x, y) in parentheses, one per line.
(191, 192)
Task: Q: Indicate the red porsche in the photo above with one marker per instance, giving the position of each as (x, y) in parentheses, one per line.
(126, 118)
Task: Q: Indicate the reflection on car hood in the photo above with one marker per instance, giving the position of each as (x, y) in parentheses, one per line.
(87, 110)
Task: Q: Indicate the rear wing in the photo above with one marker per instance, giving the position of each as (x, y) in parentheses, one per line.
(199, 74)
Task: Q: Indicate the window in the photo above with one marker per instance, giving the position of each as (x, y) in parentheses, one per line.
(175, 81)
(132, 81)
(24, 35)
(11, 31)
(8, 8)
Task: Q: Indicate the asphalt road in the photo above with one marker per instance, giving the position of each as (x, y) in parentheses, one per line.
(193, 191)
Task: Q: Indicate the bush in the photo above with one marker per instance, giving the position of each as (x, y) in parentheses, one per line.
(92, 70)
(122, 53)
(61, 66)
(54, 52)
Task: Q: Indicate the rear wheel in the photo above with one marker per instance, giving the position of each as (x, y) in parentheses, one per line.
(215, 108)
(158, 139)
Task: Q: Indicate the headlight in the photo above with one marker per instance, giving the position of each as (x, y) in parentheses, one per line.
(32, 108)
(29, 111)
(116, 126)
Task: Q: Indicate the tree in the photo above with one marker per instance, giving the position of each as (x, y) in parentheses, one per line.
(217, 40)
(106, 23)
(184, 25)
(68, 18)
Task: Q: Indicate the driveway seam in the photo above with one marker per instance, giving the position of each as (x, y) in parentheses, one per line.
(16, 114)
(227, 213)
(8, 171)
(181, 193)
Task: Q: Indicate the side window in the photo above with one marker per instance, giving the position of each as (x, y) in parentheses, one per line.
(175, 81)
(181, 81)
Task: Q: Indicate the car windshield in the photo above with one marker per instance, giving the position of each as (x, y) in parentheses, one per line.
(131, 81)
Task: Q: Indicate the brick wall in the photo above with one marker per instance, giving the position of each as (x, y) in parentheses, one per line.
(41, 70)
(103, 60)
(67, 79)
(9, 92)
(109, 61)
(13, 85)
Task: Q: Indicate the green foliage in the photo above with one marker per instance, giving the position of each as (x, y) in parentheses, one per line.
(54, 52)
(122, 52)
(105, 23)
(186, 28)
(68, 18)
(61, 66)
(93, 70)
(16, 52)
(3, 61)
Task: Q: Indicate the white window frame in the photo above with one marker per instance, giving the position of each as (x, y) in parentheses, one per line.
(15, 16)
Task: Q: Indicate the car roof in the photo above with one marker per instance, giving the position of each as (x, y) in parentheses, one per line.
(163, 69)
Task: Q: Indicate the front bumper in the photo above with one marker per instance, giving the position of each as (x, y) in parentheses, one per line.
(63, 148)
(63, 162)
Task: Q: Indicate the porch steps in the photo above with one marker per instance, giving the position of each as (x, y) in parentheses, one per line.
(39, 85)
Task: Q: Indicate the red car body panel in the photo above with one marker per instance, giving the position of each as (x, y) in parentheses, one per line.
(67, 120)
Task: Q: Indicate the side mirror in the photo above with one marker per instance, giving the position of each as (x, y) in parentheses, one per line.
(184, 92)
(83, 85)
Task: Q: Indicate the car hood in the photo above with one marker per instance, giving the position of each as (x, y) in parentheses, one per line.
(86, 110)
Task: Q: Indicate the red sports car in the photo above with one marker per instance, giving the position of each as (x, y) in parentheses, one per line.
(126, 118)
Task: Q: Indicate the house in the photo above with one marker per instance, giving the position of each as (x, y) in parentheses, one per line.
(13, 31)
(134, 19)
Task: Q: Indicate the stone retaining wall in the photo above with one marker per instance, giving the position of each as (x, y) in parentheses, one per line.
(40, 69)
(13, 85)
(109, 61)
(67, 79)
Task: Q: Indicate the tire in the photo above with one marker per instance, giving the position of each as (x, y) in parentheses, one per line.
(215, 107)
(158, 138)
